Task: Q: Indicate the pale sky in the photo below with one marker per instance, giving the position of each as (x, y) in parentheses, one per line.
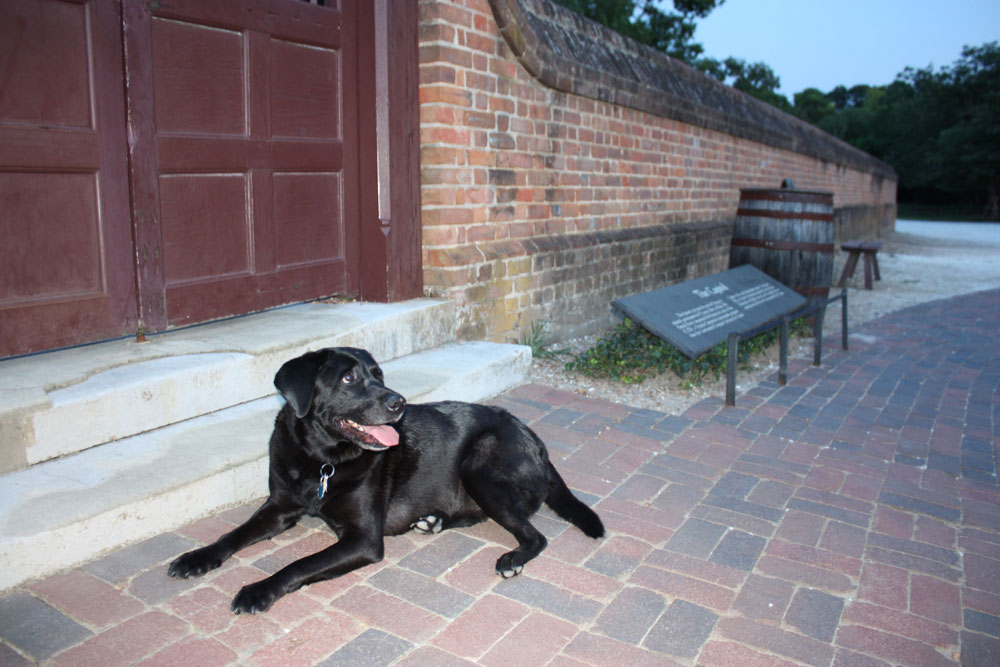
(825, 43)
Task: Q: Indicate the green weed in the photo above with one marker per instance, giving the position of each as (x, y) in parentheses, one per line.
(630, 354)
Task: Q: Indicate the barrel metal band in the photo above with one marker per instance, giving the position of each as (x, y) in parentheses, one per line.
(784, 245)
(790, 215)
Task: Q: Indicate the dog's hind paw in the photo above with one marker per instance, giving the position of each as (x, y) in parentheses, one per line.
(428, 525)
(507, 567)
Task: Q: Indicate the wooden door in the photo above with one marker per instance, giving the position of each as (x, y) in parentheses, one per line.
(65, 236)
(241, 123)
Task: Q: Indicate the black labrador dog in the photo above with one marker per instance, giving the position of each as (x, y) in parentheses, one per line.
(349, 450)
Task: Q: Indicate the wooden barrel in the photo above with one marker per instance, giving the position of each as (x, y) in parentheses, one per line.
(787, 234)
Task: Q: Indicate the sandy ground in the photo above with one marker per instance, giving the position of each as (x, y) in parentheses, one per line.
(920, 261)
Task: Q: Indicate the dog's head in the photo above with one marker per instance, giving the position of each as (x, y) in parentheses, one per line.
(342, 389)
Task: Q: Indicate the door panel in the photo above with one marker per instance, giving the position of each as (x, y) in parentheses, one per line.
(249, 172)
(66, 252)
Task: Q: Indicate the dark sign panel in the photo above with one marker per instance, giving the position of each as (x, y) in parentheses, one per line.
(697, 315)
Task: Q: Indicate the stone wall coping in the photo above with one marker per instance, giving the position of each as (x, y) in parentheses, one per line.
(572, 54)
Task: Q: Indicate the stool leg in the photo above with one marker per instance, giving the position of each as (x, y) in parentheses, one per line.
(878, 276)
(852, 262)
(868, 271)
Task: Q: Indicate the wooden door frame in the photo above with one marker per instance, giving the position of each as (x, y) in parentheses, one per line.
(388, 85)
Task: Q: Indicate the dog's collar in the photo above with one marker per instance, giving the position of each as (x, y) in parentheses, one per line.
(325, 473)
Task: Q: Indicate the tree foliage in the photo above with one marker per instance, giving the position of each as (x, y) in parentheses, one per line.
(646, 23)
(940, 129)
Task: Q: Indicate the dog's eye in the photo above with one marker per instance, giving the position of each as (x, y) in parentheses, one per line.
(349, 377)
(377, 372)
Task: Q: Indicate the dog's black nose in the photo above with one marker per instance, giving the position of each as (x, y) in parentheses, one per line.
(395, 402)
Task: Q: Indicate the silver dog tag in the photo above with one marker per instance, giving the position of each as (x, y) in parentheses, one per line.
(325, 473)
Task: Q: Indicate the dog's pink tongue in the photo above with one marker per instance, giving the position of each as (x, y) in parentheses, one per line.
(385, 434)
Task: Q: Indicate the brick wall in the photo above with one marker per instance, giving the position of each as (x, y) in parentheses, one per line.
(554, 178)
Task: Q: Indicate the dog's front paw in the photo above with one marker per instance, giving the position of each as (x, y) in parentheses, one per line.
(428, 525)
(509, 565)
(255, 598)
(195, 563)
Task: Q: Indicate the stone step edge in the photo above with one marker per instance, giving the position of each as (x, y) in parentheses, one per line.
(124, 388)
(167, 491)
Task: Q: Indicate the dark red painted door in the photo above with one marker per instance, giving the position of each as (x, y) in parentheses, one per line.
(241, 122)
(65, 236)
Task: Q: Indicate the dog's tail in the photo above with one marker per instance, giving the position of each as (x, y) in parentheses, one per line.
(569, 507)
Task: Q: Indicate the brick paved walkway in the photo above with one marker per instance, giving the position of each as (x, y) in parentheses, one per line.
(849, 518)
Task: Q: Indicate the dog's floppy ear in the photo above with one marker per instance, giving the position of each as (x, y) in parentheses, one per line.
(296, 380)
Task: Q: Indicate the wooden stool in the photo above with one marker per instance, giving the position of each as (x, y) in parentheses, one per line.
(856, 248)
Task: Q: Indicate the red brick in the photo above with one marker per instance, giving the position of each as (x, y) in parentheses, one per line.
(894, 649)
(727, 654)
(771, 493)
(884, 585)
(801, 527)
(207, 609)
(893, 522)
(642, 512)
(595, 650)
(804, 574)
(763, 598)
(935, 598)
(325, 591)
(479, 627)
(698, 568)
(815, 557)
(577, 579)
(861, 487)
(981, 573)
(192, 651)
(824, 479)
(389, 613)
(427, 656)
(687, 588)
(124, 644)
(687, 446)
(934, 532)
(535, 641)
(775, 640)
(477, 573)
(291, 609)
(206, 530)
(310, 642)
(650, 532)
(88, 598)
(632, 439)
(629, 459)
(981, 601)
(843, 538)
(719, 456)
(973, 541)
(572, 546)
(847, 658)
(899, 623)
(725, 517)
(249, 633)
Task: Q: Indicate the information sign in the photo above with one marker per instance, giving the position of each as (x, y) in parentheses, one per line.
(696, 315)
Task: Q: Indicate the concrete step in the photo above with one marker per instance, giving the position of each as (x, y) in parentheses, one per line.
(66, 511)
(63, 402)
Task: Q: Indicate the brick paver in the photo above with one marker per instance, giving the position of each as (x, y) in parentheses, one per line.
(851, 517)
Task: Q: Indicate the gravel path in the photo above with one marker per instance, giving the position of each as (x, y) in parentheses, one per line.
(919, 262)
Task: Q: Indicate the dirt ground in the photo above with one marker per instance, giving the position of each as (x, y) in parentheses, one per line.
(918, 262)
